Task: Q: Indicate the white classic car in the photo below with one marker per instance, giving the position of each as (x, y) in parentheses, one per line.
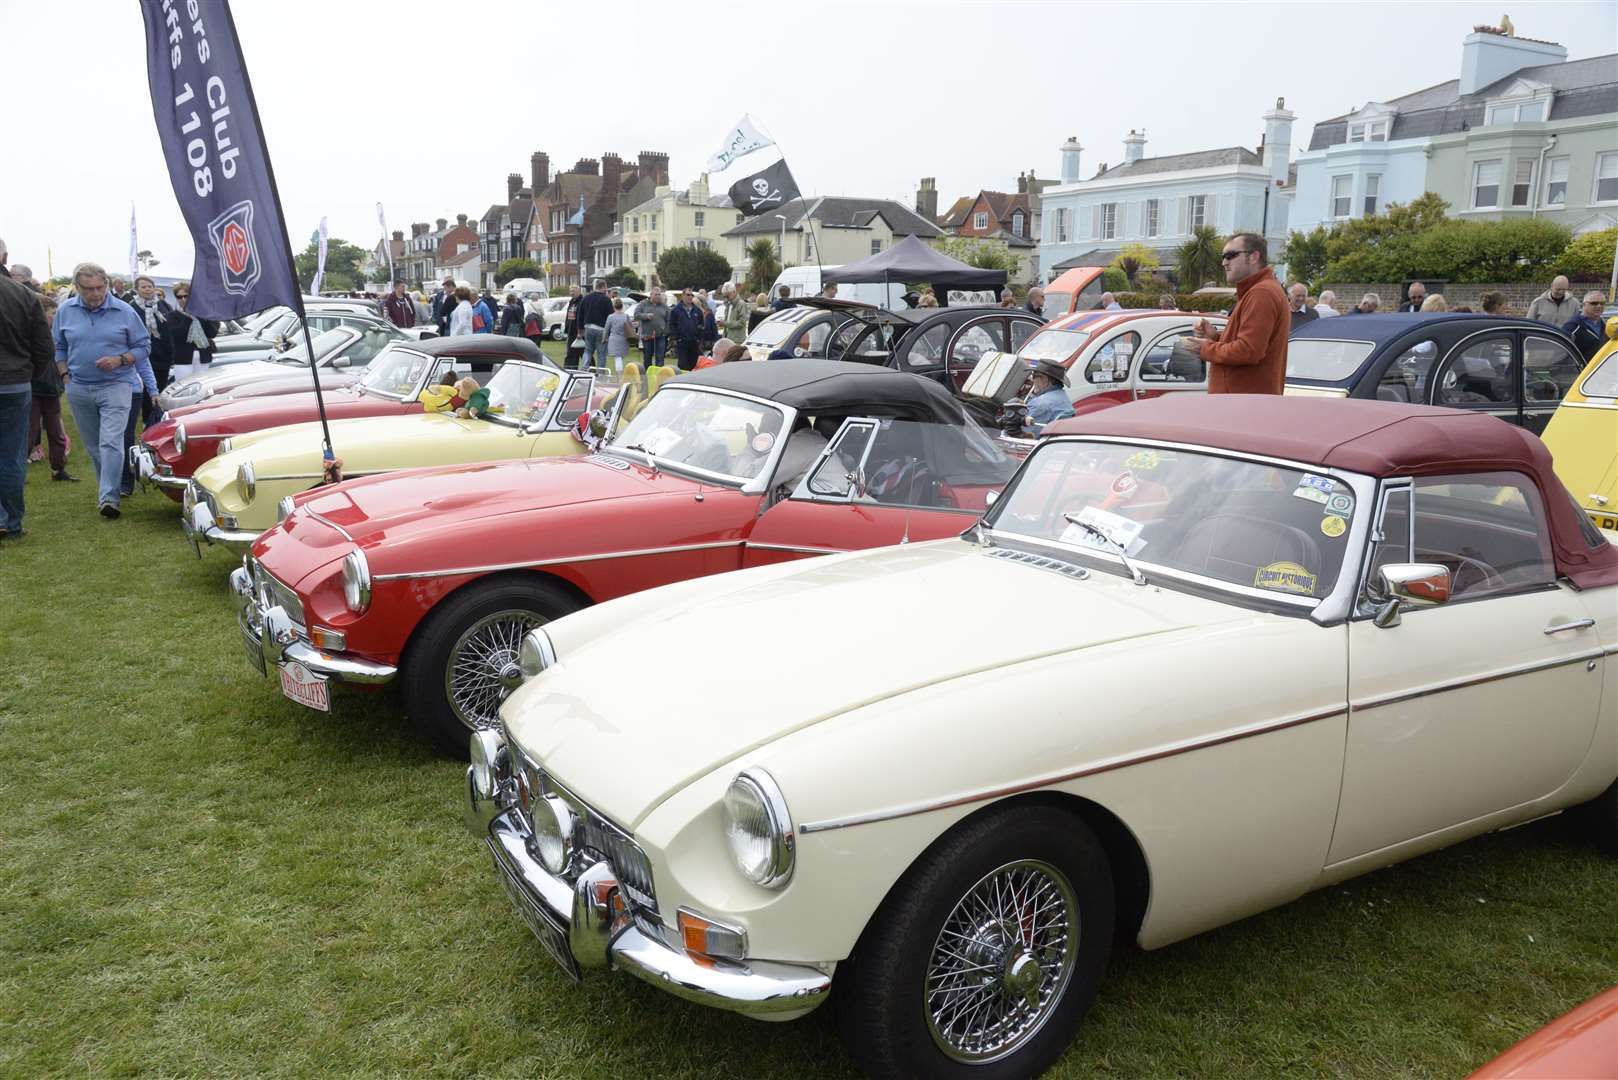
(931, 781)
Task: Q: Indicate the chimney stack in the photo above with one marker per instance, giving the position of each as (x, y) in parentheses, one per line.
(1070, 160)
(460, 219)
(442, 224)
(927, 198)
(539, 170)
(587, 166)
(655, 166)
(1134, 146)
(398, 234)
(1488, 56)
(1276, 151)
(513, 184)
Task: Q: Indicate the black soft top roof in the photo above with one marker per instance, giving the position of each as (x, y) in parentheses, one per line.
(480, 345)
(833, 388)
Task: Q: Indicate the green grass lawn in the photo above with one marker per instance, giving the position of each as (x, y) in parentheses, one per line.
(201, 878)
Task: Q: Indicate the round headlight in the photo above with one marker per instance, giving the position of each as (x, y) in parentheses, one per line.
(553, 833)
(759, 829)
(489, 762)
(356, 581)
(536, 653)
(179, 439)
(283, 509)
(246, 482)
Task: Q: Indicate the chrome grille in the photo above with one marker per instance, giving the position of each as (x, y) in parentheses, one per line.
(272, 593)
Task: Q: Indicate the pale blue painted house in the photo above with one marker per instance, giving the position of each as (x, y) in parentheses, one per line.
(1157, 201)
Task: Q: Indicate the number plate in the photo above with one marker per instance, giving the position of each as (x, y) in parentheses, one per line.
(255, 653)
(550, 933)
(305, 687)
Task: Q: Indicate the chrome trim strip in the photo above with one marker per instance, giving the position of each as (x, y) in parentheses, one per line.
(798, 547)
(1474, 680)
(1607, 404)
(1577, 624)
(562, 559)
(912, 809)
(327, 522)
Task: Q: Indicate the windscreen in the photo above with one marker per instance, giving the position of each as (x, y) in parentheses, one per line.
(522, 393)
(395, 372)
(1281, 531)
(717, 433)
(778, 327)
(1603, 381)
(1325, 361)
(1053, 345)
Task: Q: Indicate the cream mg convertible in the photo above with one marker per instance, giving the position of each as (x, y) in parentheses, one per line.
(1202, 656)
(239, 493)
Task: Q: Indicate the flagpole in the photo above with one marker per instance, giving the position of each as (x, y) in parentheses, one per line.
(329, 459)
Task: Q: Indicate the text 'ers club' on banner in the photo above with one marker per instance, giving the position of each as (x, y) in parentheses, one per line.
(203, 103)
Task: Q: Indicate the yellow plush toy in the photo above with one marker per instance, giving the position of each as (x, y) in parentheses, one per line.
(437, 398)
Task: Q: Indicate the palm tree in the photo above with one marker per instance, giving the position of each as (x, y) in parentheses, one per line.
(763, 266)
(1197, 260)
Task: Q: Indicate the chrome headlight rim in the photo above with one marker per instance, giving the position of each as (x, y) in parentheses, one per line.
(490, 761)
(536, 653)
(225, 446)
(179, 438)
(356, 581)
(283, 509)
(769, 807)
(246, 481)
(553, 822)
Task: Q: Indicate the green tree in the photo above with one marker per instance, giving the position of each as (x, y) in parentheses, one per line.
(763, 266)
(627, 278)
(1134, 260)
(1589, 257)
(381, 275)
(1114, 281)
(343, 262)
(144, 259)
(512, 269)
(692, 268)
(983, 254)
(1197, 260)
(1305, 256)
(1521, 249)
(1381, 247)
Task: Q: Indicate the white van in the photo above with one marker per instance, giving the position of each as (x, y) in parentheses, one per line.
(805, 281)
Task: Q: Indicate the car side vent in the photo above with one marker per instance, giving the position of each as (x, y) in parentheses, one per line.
(609, 462)
(1042, 562)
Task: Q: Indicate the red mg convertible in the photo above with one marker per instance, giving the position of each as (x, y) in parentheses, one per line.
(173, 449)
(435, 575)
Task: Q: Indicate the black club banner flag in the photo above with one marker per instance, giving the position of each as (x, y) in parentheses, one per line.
(768, 189)
(208, 123)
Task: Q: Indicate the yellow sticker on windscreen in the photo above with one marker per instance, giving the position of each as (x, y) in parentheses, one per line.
(1285, 577)
(1332, 525)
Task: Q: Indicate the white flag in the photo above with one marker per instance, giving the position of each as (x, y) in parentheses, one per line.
(740, 141)
(387, 242)
(320, 262)
(134, 248)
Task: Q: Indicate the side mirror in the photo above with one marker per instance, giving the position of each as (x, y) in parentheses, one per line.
(1408, 585)
(340, 362)
(856, 482)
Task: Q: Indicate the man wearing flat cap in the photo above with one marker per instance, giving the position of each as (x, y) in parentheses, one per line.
(1047, 400)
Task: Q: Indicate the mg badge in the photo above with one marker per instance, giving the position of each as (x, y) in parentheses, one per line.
(232, 237)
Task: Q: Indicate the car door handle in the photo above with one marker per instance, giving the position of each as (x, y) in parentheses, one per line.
(1579, 624)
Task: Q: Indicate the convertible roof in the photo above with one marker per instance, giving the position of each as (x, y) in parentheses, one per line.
(1385, 326)
(1378, 438)
(834, 387)
(481, 345)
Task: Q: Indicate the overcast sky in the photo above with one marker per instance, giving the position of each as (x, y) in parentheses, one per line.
(863, 97)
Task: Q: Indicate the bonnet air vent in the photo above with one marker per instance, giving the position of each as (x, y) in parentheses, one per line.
(1041, 562)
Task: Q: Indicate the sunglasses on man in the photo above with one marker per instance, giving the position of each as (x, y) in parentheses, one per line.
(1229, 255)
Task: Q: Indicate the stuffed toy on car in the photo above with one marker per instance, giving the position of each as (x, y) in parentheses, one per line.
(471, 400)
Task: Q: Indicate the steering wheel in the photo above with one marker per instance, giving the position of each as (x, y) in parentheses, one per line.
(1491, 578)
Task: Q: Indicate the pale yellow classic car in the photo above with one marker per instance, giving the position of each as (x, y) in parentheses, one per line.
(238, 494)
(1583, 435)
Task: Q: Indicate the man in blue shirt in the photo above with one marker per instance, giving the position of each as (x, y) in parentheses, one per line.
(104, 345)
(1047, 401)
(1586, 328)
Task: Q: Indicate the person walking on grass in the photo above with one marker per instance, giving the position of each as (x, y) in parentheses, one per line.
(617, 331)
(737, 310)
(461, 314)
(399, 307)
(652, 325)
(686, 326)
(103, 343)
(25, 358)
(593, 312)
(1587, 329)
(1249, 356)
(1555, 305)
(45, 416)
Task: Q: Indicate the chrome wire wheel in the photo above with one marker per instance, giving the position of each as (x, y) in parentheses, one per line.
(482, 667)
(1001, 962)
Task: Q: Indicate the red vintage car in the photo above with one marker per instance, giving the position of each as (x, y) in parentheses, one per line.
(171, 450)
(433, 576)
(1579, 1045)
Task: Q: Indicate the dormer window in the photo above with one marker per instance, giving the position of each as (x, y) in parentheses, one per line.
(980, 220)
(1516, 112)
(1368, 131)
(1016, 224)
(1524, 101)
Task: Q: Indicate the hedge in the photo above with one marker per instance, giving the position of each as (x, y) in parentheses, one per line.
(1589, 257)
(1182, 302)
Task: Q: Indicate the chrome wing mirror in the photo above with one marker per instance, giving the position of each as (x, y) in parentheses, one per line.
(1402, 586)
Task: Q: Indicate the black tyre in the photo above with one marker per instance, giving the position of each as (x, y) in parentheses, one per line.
(463, 660)
(986, 955)
(1601, 818)
(557, 333)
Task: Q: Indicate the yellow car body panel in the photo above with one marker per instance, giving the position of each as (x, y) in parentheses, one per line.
(1583, 435)
(286, 460)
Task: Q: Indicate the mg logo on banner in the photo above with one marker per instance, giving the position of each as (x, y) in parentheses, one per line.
(232, 236)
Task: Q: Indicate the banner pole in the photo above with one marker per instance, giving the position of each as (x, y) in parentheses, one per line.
(330, 469)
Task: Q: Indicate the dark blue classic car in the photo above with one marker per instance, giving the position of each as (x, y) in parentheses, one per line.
(1515, 369)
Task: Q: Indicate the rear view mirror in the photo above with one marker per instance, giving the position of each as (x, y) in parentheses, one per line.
(1400, 586)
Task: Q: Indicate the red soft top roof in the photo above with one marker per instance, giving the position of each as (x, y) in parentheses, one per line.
(1378, 438)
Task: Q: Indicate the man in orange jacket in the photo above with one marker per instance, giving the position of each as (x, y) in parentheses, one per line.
(1250, 355)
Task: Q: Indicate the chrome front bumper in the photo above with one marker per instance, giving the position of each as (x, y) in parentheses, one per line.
(271, 636)
(199, 522)
(601, 931)
(150, 470)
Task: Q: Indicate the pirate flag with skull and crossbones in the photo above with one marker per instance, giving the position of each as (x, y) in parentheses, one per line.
(767, 190)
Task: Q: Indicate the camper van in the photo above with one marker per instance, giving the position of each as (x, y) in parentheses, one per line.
(805, 281)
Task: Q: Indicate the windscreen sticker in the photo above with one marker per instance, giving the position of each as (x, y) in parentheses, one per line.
(660, 441)
(1333, 526)
(1285, 577)
(1324, 483)
(1123, 531)
(1123, 484)
(762, 442)
(1313, 494)
(1144, 460)
(1340, 504)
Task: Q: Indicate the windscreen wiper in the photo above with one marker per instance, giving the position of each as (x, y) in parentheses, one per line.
(1113, 545)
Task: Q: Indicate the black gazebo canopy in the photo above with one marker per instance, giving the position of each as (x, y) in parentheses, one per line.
(913, 260)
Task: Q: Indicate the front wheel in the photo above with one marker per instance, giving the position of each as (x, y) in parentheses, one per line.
(463, 661)
(1601, 818)
(557, 333)
(985, 957)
